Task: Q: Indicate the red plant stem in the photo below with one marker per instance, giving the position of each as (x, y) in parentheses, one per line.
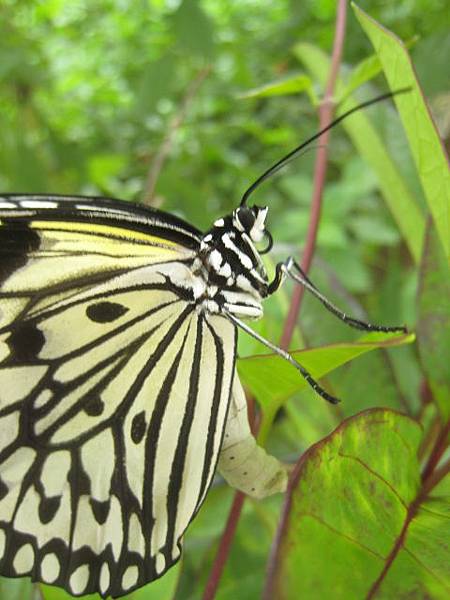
(437, 452)
(435, 478)
(325, 116)
(233, 518)
(429, 439)
(224, 547)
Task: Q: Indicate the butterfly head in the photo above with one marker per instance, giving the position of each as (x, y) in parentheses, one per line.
(231, 264)
(252, 220)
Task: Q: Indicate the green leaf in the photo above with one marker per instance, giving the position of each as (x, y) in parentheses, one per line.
(272, 380)
(289, 85)
(18, 589)
(364, 71)
(356, 521)
(393, 187)
(426, 146)
(161, 589)
(373, 229)
(104, 167)
(193, 29)
(156, 81)
(433, 327)
(50, 592)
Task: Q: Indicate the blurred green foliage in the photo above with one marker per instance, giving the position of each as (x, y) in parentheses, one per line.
(89, 91)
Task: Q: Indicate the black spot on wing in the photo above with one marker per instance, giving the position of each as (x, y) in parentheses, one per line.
(17, 240)
(25, 342)
(100, 510)
(48, 507)
(94, 407)
(3, 489)
(105, 312)
(138, 426)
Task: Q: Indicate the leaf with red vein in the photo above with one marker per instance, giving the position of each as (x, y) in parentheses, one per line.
(357, 522)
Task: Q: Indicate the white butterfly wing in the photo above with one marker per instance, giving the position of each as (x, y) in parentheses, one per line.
(114, 395)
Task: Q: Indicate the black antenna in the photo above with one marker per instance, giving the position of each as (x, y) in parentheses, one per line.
(295, 152)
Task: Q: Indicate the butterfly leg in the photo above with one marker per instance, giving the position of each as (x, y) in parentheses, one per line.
(308, 377)
(293, 270)
(280, 276)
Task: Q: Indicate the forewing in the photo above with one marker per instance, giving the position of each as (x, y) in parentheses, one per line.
(50, 248)
(113, 397)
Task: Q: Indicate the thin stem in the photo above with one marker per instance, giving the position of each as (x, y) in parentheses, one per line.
(224, 547)
(435, 478)
(325, 116)
(233, 518)
(166, 145)
(430, 436)
(438, 450)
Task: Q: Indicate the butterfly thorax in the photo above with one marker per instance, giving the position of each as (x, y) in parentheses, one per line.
(235, 279)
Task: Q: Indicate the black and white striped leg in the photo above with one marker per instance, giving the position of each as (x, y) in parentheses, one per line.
(293, 270)
(308, 377)
(280, 276)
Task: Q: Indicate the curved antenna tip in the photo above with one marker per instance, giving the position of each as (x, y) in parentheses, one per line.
(295, 152)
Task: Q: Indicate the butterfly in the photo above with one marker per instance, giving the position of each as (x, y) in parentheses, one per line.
(119, 396)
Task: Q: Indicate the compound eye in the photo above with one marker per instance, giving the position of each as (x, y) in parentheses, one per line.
(245, 217)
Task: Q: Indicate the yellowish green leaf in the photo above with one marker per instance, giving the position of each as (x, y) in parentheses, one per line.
(426, 146)
(394, 188)
(357, 523)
